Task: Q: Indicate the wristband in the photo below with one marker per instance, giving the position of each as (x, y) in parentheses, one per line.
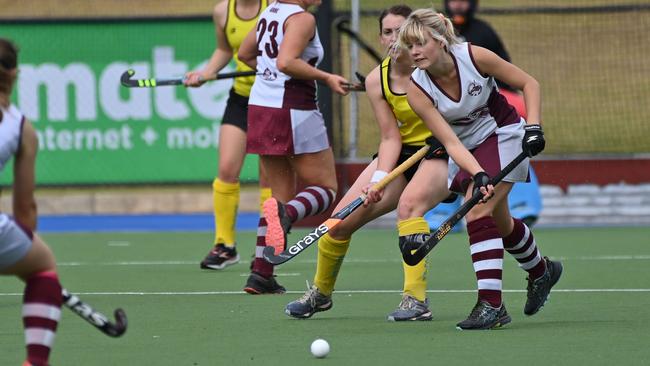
(377, 176)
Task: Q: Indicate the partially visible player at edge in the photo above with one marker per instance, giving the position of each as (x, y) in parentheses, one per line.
(22, 252)
(414, 193)
(233, 20)
(286, 128)
(478, 32)
(454, 91)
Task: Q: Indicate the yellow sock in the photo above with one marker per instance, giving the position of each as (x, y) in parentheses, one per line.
(265, 194)
(330, 257)
(415, 280)
(226, 201)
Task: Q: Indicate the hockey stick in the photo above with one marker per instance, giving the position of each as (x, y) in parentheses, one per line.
(127, 81)
(355, 87)
(414, 258)
(99, 320)
(342, 27)
(312, 237)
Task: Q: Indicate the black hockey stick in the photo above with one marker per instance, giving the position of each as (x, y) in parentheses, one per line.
(414, 258)
(343, 27)
(360, 76)
(99, 320)
(127, 81)
(312, 237)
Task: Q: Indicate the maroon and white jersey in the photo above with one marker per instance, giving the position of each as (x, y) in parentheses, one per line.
(10, 133)
(479, 111)
(273, 88)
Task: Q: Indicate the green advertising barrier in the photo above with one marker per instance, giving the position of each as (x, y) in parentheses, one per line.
(94, 131)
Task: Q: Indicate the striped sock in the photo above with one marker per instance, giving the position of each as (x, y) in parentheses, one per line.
(41, 313)
(521, 244)
(260, 265)
(310, 201)
(486, 247)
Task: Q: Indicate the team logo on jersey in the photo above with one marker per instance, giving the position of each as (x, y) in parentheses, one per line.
(474, 88)
(269, 75)
(472, 116)
(233, 30)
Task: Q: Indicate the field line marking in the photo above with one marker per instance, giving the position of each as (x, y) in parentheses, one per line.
(351, 260)
(348, 292)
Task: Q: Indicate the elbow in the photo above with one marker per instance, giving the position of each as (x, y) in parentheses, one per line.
(246, 57)
(25, 214)
(283, 65)
(532, 84)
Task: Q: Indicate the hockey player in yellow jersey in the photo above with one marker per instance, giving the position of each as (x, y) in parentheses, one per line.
(233, 20)
(415, 192)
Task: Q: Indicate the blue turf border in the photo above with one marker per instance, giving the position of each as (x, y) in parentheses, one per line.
(131, 223)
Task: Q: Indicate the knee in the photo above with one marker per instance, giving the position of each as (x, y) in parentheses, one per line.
(474, 215)
(409, 207)
(340, 232)
(229, 173)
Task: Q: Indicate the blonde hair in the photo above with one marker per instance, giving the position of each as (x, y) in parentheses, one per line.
(420, 21)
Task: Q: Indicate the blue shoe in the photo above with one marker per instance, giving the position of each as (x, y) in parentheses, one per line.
(411, 308)
(310, 303)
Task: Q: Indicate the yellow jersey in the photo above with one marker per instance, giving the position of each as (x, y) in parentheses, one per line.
(236, 30)
(411, 127)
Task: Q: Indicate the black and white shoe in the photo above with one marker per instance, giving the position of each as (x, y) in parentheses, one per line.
(538, 290)
(256, 284)
(220, 257)
(485, 316)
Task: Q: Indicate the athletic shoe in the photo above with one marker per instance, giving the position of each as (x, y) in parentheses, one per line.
(485, 316)
(219, 257)
(256, 284)
(538, 290)
(411, 308)
(278, 224)
(310, 303)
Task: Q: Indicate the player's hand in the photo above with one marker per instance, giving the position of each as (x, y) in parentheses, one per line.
(482, 184)
(372, 196)
(337, 83)
(435, 148)
(193, 79)
(533, 142)
(354, 87)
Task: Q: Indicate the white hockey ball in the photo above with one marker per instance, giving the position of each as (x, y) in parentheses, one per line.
(320, 348)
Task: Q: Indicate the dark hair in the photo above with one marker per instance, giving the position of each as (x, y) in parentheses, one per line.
(8, 54)
(402, 10)
(8, 62)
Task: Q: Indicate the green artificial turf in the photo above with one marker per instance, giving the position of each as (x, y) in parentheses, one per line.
(181, 315)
